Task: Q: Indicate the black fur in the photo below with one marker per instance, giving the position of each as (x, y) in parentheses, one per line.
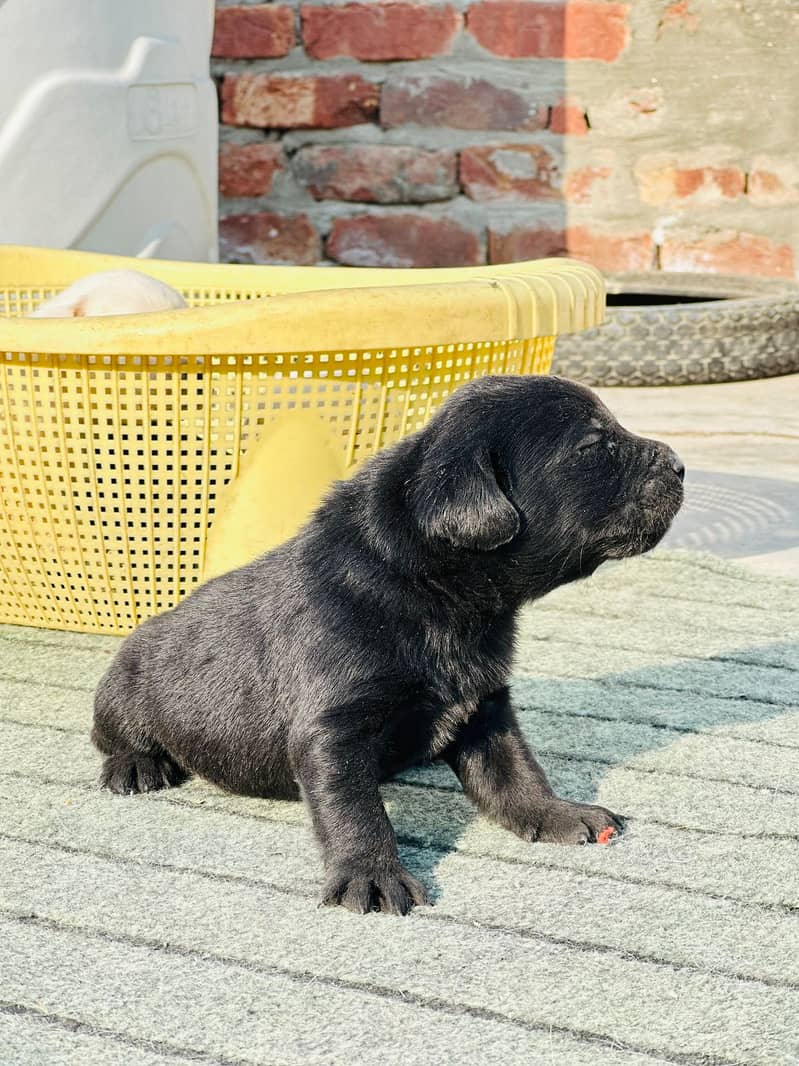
(381, 635)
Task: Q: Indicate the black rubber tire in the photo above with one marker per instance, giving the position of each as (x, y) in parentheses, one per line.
(732, 329)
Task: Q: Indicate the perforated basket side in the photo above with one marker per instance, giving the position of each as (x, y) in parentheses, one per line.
(110, 465)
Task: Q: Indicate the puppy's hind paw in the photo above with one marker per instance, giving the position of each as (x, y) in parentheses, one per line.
(373, 887)
(127, 774)
(562, 822)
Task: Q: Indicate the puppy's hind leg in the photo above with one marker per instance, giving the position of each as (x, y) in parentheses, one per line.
(133, 762)
(131, 772)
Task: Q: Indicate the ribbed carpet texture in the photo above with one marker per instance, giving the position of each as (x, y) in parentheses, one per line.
(182, 926)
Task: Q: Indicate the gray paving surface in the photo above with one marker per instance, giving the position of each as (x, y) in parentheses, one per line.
(182, 926)
(735, 516)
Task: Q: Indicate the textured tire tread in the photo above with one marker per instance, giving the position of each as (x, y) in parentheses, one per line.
(737, 338)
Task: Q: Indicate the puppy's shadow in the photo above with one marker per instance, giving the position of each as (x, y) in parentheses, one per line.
(583, 729)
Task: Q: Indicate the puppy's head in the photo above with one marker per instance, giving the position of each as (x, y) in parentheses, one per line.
(538, 470)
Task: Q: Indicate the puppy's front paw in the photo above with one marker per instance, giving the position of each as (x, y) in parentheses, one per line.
(372, 886)
(561, 822)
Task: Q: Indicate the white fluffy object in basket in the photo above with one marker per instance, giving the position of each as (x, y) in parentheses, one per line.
(113, 292)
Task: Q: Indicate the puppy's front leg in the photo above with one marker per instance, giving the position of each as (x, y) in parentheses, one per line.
(338, 775)
(499, 773)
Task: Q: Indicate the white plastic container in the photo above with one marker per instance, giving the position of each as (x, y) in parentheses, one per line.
(108, 126)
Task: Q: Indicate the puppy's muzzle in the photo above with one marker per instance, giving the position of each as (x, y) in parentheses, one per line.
(663, 458)
(662, 493)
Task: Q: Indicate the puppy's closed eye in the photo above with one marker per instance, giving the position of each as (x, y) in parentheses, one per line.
(591, 440)
(596, 443)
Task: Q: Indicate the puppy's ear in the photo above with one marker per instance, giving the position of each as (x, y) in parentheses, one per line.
(461, 501)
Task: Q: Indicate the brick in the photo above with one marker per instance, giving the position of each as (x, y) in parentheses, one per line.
(248, 169)
(263, 31)
(725, 182)
(661, 180)
(379, 31)
(265, 237)
(679, 15)
(382, 174)
(579, 184)
(509, 172)
(608, 252)
(402, 240)
(772, 183)
(460, 103)
(568, 117)
(727, 252)
(276, 101)
(519, 29)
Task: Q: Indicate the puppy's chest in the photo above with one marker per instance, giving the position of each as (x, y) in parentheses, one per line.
(421, 730)
(465, 672)
(446, 724)
(464, 667)
(449, 671)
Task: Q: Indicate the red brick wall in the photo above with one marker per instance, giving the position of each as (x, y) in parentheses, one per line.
(650, 135)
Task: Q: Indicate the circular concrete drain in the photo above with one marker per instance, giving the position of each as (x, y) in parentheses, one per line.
(732, 515)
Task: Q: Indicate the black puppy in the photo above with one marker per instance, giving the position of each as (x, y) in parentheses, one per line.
(382, 634)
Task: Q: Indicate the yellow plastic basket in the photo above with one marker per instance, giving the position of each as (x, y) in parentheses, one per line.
(117, 435)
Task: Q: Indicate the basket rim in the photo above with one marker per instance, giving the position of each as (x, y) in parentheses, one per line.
(352, 309)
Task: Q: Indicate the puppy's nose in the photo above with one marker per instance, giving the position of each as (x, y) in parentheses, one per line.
(663, 454)
(676, 464)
